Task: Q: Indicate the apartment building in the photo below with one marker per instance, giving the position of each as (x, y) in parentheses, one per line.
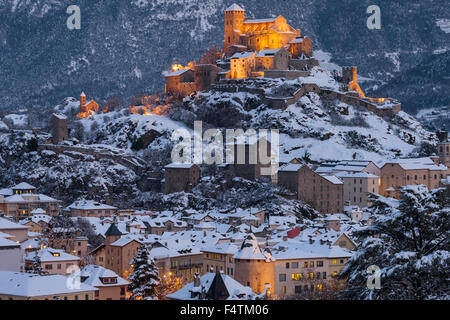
(324, 192)
(402, 172)
(219, 258)
(358, 186)
(302, 268)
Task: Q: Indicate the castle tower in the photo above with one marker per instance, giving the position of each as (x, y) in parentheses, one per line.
(82, 101)
(59, 128)
(253, 268)
(349, 74)
(234, 21)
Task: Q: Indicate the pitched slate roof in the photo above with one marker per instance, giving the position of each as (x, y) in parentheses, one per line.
(113, 231)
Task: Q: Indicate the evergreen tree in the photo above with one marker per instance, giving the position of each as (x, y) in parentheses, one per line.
(409, 243)
(36, 267)
(144, 279)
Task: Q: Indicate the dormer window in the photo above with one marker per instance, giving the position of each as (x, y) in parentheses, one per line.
(56, 254)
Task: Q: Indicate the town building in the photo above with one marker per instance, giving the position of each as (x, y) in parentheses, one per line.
(252, 159)
(300, 268)
(23, 199)
(53, 261)
(213, 286)
(117, 251)
(110, 286)
(324, 192)
(181, 177)
(11, 255)
(26, 286)
(358, 186)
(90, 208)
(17, 231)
(164, 224)
(414, 171)
(219, 258)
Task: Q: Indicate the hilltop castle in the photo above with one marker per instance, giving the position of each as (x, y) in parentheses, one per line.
(243, 34)
(251, 48)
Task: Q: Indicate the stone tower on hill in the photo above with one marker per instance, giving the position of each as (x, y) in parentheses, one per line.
(59, 128)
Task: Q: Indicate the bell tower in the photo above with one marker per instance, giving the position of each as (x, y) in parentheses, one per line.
(234, 21)
(82, 100)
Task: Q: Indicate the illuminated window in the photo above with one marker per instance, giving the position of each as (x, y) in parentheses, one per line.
(311, 264)
(305, 264)
(297, 276)
(334, 261)
(319, 287)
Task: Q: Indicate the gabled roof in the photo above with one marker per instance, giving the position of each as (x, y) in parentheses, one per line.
(113, 231)
(93, 274)
(33, 285)
(23, 186)
(234, 288)
(51, 255)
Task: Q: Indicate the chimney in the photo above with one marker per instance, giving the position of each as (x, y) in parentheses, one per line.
(196, 280)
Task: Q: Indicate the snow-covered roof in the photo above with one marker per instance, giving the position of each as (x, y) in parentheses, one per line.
(60, 116)
(177, 72)
(304, 250)
(259, 20)
(90, 205)
(36, 218)
(51, 255)
(5, 224)
(222, 248)
(234, 7)
(242, 55)
(33, 285)
(29, 197)
(38, 211)
(267, 52)
(92, 274)
(349, 174)
(124, 240)
(416, 164)
(233, 287)
(297, 40)
(8, 243)
(179, 166)
(332, 179)
(293, 167)
(250, 250)
(32, 243)
(23, 186)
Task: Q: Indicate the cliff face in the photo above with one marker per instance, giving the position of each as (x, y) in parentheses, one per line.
(123, 45)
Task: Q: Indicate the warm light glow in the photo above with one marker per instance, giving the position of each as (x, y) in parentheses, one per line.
(176, 67)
